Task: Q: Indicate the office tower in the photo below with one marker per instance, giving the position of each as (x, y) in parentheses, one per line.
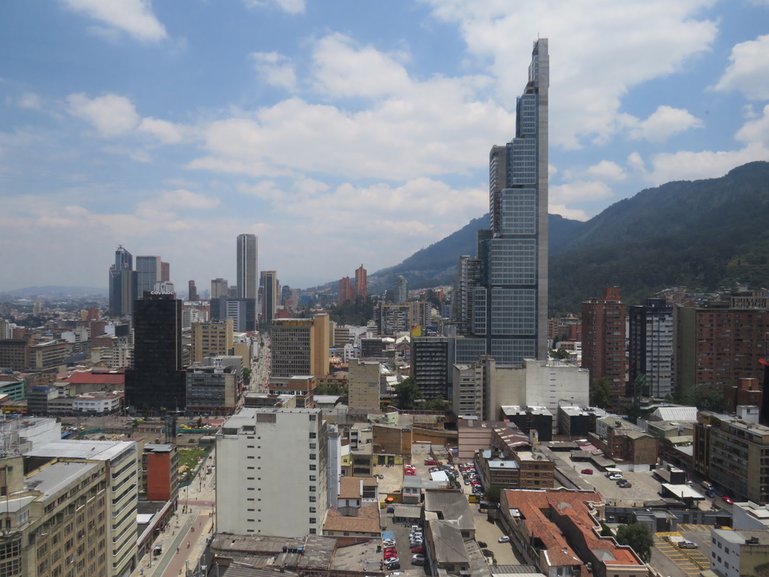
(241, 311)
(192, 291)
(147, 274)
(212, 389)
(211, 339)
(300, 347)
(219, 288)
(270, 293)
(346, 291)
(261, 451)
(361, 282)
(246, 266)
(122, 284)
(363, 388)
(603, 339)
(468, 278)
(430, 366)
(96, 488)
(156, 384)
(515, 257)
(165, 271)
(650, 349)
(401, 290)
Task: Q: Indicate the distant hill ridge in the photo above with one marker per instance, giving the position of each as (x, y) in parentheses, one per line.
(702, 234)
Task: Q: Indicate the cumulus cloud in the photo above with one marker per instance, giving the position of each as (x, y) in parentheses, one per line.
(579, 191)
(30, 101)
(748, 70)
(342, 68)
(663, 123)
(166, 132)
(756, 130)
(600, 48)
(275, 69)
(688, 165)
(607, 169)
(134, 17)
(290, 6)
(111, 115)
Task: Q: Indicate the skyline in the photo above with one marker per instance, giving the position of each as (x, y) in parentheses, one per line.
(341, 138)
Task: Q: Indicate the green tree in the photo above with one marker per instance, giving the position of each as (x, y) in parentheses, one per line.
(408, 393)
(601, 393)
(639, 538)
(246, 375)
(435, 405)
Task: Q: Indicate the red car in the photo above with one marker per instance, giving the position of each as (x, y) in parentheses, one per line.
(390, 553)
(418, 549)
(728, 500)
(587, 471)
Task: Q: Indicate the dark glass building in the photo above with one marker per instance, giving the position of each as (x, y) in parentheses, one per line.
(156, 382)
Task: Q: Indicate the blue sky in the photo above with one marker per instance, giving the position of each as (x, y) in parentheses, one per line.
(343, 132)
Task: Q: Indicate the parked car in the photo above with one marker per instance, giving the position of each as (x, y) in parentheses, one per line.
(624, 484)
(686, 544)
(431, 462)
(393, 563)
(615, 477)
(418, 559)
(728, 500)
(504, 539)
(418, 548)
(388, 543)
(587, 471)
(482, 544)
(390, 554)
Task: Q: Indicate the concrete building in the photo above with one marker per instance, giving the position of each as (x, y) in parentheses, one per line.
(603, 339)
(300, 347)
(49, 355)
(113, 474)
(211, 388)
(219, 288)
(247, 266)
(211, 339)
(363, 387)
(739, 553)
(271, 473)
(14, 354)
(430, 366)
(621, 440)
(650, 349)
(731, 452)
(467, 390)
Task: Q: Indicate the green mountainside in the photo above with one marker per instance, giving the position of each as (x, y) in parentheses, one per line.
(702, 234)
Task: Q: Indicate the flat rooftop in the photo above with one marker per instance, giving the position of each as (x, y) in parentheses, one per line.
(85, 449)
(55, 477)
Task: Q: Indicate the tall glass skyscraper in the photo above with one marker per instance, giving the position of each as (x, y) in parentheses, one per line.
(506, 285)
(246, 266)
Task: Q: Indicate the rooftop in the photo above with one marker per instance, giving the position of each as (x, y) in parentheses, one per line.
(55, 477)
(366, 522)
(85, 449)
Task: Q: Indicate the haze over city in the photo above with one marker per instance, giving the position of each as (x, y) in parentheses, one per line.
(343, 133)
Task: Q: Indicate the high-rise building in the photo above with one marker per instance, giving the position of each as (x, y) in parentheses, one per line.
(346, 290)
(122, 284)
(192, 291)
(242, 312)
(261, 450)
(219, 288)
(361, 282)
(508, 305)
(363, 387)
(247, 266)
(650, 349)
(300, 347)
(156, 381)
(401, 289)
(270, 295)
(430, 366)
(148, 272)
(603, 339)
(165, 271)
(211, 339)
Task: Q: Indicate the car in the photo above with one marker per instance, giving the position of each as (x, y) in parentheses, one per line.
(418, 549)
(686, 544)
(431, 462)
(504, 539)
(414, 541)
(388, 543)
(587, 471)
(728, 500)
(710, 494)
(615, 477)
(390, 554)
(392, 564)
(624, 484)
(418, 559)
(482, 544)
(390, 509)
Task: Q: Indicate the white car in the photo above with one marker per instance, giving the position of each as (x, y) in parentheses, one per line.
(615, 477)
(504, 539)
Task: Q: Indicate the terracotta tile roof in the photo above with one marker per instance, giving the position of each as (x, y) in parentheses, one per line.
(367, 521)
(540, 509)
(89, 378)
(349, 488)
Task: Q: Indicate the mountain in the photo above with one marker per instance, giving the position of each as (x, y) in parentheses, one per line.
(55, 292)
(703, 234)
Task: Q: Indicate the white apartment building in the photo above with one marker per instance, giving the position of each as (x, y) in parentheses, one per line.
(738, 553)
(271, 473)
(121, 478)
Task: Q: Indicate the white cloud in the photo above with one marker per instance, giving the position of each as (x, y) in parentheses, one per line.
(30, 101)
(172, 202)
(607, 169)
(134, 17)
(579, 191)
(344, 69)
(601, 49)
(275, 69)
(748, 70)
(635, 162)
(111, 115)
(756, 130)
(663, 123)
(570, 213)
(166, 132)
(290, 6)
(688, 165)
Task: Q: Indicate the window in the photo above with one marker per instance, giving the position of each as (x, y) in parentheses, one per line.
(312, 478)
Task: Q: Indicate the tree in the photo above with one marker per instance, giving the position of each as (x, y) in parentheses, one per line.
(408, 393)
(246, 375)
(601, 393)
(639, 538)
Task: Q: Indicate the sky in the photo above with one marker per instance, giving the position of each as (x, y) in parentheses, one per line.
(343, 132)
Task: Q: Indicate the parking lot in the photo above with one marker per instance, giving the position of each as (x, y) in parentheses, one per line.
(676, 562)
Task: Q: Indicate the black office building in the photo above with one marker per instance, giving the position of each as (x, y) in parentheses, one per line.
(156, 383)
